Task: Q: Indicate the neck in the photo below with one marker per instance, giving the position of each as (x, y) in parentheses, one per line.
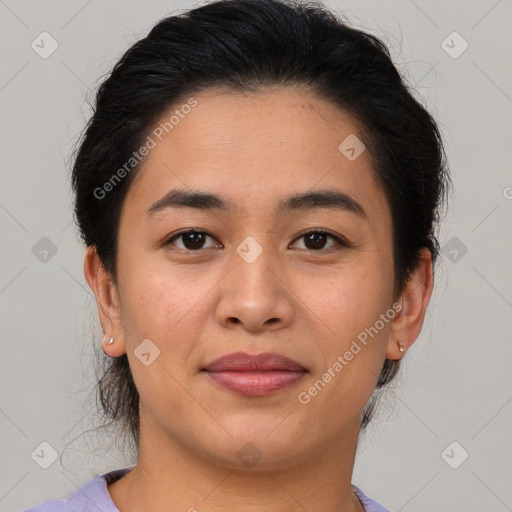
(168, 476)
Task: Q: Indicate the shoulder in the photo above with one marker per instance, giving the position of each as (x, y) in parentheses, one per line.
(52, 506)
(89, 498)
(368, 504)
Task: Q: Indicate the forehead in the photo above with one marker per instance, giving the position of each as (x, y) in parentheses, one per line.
(253, 149)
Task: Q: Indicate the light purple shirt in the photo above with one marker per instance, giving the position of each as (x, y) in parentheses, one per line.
(94, 497)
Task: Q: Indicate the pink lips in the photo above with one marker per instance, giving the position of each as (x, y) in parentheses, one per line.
(255, 375)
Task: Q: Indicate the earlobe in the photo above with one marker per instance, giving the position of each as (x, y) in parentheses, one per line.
(110, 348)
(107, 300)
(407, 324)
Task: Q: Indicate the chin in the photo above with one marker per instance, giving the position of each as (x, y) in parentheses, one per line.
(259, 445)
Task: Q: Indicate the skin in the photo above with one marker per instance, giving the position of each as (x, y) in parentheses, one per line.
(305, 303)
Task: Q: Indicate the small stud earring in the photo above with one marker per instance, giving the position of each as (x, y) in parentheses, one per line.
(401, 347)
(107, 339)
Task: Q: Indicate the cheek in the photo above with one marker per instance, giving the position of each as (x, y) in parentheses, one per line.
(352, 308)
(167, 307)
(355, 299)
(154, 293)
(160, 308)
(352, 355)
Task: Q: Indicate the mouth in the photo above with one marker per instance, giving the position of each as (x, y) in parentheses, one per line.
(255, 375)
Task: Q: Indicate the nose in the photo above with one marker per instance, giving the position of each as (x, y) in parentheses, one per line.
(255, 296)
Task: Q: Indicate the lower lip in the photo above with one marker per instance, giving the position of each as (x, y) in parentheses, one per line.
(256, 383)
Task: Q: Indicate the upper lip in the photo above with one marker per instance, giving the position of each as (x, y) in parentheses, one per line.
(241, 361)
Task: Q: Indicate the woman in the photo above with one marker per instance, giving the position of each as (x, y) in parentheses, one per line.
(258, 192)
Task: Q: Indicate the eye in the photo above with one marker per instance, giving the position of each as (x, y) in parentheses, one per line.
(316, 239)
(193, 240)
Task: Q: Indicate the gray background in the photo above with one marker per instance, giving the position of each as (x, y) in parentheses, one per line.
(456, 383)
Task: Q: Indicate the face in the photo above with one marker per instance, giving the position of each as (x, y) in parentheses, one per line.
(243, 273)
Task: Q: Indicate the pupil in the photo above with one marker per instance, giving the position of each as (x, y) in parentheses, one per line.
(194, 240)
(318, 240)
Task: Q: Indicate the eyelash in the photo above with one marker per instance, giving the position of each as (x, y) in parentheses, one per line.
(340, 242)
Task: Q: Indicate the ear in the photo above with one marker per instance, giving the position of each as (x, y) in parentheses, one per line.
(107, 299)
(407, 324)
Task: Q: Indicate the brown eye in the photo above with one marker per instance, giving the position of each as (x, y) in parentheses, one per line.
(314, 240)
(191, 240)
(317, 239)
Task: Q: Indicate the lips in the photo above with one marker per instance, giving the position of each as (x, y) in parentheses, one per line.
(242, 362)
(255, 375)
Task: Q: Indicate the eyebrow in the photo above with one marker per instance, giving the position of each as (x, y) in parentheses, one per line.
(324, 198)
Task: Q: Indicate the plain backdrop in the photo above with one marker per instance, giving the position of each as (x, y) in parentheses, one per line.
(441, 440)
